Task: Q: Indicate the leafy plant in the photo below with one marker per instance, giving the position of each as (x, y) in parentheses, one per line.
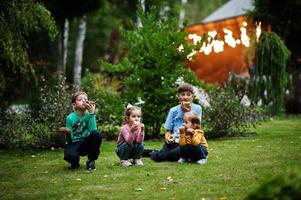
(226, 114)
(271, 79)
(55, 105)
(286, 186)
(17, 20)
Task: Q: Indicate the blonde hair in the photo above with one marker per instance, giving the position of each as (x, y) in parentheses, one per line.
(128, 111)
(194, 118)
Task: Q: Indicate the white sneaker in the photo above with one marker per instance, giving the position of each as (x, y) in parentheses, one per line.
(137, 162)
(181, 160)
(125, 163)
(202, 161)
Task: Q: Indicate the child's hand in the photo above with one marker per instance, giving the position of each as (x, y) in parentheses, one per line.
(90, 106)
(64, 130)
(142, 127)
(135, 126)
(189, 131)
(182, 130)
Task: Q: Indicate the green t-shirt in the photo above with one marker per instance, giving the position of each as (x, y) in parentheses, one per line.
(80, 126)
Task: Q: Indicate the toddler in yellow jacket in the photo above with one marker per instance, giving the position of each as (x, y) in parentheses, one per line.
(193, 144)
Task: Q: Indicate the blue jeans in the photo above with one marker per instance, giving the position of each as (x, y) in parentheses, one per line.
(194, 153)
(126, 151)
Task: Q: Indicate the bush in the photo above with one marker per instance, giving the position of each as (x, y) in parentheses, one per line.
(31, 130)
(286, 186)
(55, 105)
(226, 115)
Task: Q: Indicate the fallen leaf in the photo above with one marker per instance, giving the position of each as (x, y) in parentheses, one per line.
(169, 179)
(163, 188)
(138, 189)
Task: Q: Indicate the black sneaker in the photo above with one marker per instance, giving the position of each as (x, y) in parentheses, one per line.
(90, 165)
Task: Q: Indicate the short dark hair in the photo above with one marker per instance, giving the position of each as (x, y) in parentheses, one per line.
(185, 87)
(76, 94)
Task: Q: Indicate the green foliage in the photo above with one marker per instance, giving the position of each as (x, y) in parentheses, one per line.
(226, 114)
(287, 186)
(55, 105)
(28, 130)
(271, 79)
(152, 68)
(17, 20)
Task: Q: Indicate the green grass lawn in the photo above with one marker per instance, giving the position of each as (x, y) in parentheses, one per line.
(236, 166)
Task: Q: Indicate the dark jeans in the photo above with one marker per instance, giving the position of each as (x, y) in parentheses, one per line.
(194, 153)
(89, 147)
(126, 151)
(169, 152)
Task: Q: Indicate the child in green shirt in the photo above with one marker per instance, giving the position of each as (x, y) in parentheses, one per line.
(82, 137)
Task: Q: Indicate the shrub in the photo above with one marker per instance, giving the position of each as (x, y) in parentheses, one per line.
(271, 78)
(55, 105)
(29, 129)
(286, 186)
(226, 114)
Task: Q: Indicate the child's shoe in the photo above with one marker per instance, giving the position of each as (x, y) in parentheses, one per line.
(137, 162)
(202, 161)
(125, 163)
(181, 160)
(90, 165)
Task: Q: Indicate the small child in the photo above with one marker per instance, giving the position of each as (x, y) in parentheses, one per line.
(131, 137)
(82, 138)
(193, 144)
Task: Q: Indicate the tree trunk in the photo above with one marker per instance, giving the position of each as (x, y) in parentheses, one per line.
(182, 13)
(63, 47)
(77, 70)
(142, 2)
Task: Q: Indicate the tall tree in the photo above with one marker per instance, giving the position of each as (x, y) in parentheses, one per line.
(77, 69)
(284, 19)
(17, 20)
